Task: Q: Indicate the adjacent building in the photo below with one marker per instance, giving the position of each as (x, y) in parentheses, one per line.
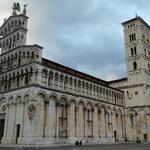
(136, 85)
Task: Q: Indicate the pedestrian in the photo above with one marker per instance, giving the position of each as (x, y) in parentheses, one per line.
(137, 140)
(80, 143)
(77, 143)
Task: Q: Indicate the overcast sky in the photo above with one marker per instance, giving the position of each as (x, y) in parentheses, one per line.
(85, 35)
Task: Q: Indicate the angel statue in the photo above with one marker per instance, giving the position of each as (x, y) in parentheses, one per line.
(24, 10)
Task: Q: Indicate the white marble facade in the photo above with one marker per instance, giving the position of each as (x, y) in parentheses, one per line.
(42, 102)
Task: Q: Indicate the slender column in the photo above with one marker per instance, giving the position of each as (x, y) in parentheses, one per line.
(14, 123)
(95, 124)
(148, 127)
(136, 125)
(111, 125)
(67, 84)
(106, 125)
(40, 119)
(52, 119)
(57, 123)
(47, 78)
(21, 134)
(76, 116)
(6, 121)
(70, 86)
(71, 120)
(102, 127)
(121, 126)
(85, 123)
(58, 82)
(27, 125)
(80, 121)
(99, 124)
(34, 77)
(39, 75)
(117, 136)
(46, 119)
(52, 81)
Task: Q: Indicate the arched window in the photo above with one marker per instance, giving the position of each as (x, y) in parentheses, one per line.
(18, 79)
(132, 51)
(130, 38)
(135, 51)
(127, 93)
(132, 120)
(19, 60)
(145, 51)
(88, 115)
(50, 79)
(134, 36)
(134, 65)
(26, 77)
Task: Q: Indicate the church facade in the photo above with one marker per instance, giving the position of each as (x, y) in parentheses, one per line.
(43, 102)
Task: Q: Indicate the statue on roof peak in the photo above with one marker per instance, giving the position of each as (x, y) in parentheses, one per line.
(24, 10)
(16, 7)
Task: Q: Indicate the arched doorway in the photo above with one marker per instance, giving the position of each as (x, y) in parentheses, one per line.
(2, 121)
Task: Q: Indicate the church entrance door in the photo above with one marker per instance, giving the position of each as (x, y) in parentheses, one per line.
(145, 137)
(115, 136)
(17, 132)
(2, 122)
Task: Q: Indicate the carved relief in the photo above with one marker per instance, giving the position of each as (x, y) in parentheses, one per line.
(31, 111)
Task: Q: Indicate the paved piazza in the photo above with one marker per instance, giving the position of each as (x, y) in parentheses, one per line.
(91, 147)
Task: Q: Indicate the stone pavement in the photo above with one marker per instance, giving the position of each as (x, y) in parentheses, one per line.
(119, 146)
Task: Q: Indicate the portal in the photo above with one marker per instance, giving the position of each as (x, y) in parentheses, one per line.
(17, 132)
(2, 122)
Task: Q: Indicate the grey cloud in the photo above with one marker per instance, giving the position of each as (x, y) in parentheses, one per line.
(84, 35)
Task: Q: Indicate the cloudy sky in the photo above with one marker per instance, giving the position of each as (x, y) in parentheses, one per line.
(82, 34)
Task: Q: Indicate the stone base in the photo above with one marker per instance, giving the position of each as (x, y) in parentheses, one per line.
(99, 140)
(37, 141)
(8, 140)
(48, 141)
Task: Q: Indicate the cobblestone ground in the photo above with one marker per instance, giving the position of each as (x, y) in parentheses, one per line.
(88, 147)
(105, 147)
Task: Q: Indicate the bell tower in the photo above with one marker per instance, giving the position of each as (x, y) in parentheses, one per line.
(13, 31)
(137, 51)
(137, 35)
